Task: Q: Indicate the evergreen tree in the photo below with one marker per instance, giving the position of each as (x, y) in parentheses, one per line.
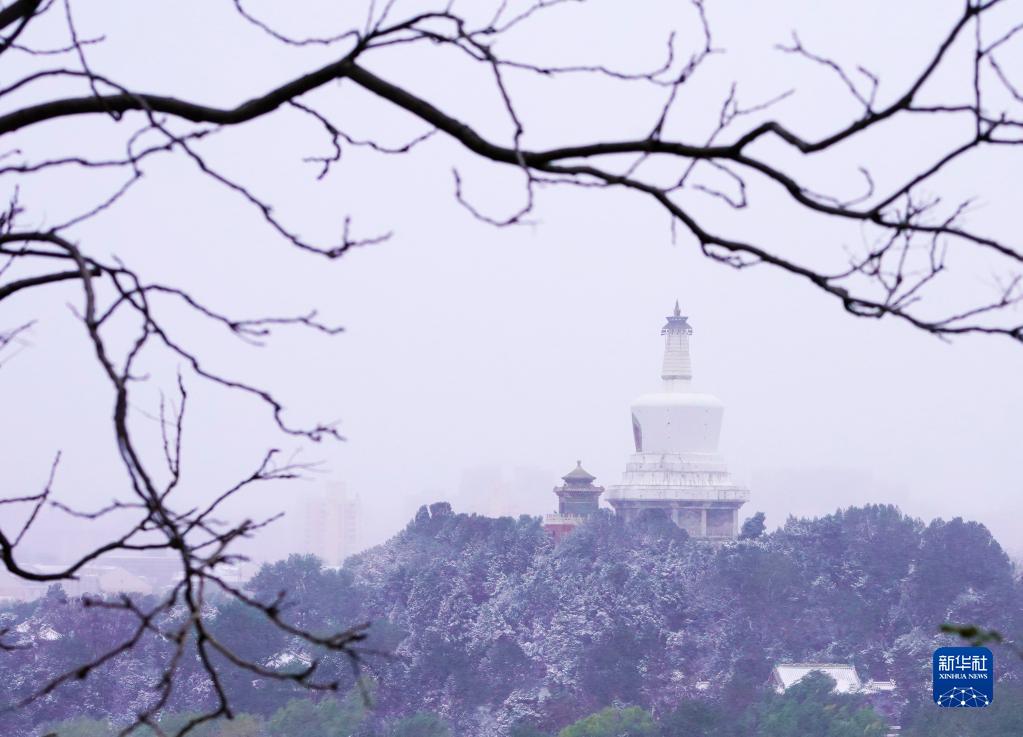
(631, 721)
(753, 527)
(810, 707)
(700, 719)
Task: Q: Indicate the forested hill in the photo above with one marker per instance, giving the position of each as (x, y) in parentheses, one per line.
(495, 630)
(504, 626)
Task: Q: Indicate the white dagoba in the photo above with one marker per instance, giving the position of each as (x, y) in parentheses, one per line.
(676, 466)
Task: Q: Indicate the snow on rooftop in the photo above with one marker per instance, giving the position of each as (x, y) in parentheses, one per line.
(880, 686)
(845, 676)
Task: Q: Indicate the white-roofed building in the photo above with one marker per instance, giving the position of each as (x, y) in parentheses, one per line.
(847, 680)
(787, 675)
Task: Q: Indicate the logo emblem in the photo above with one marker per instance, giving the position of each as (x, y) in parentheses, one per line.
(963, 677)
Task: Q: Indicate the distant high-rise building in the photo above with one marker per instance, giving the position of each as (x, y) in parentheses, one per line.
(330, 524)
(497, 490)
(578, 498)
(484, 489)
(676, 467)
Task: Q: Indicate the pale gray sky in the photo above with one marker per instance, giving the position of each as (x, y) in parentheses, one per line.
(473, 353)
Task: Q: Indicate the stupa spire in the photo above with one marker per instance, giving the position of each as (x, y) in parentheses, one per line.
(678, 365)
